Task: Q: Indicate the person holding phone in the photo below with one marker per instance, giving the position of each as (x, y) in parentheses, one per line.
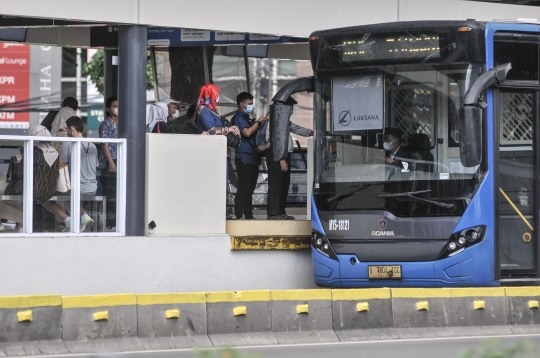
(247, 159)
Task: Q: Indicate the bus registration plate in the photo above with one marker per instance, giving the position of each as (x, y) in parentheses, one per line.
(387, 272)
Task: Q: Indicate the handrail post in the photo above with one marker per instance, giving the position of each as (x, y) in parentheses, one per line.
(28, 186)
(75, 186)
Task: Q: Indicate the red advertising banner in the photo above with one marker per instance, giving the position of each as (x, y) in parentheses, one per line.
(14, 83)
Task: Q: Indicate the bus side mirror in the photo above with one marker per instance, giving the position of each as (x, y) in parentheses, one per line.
(470, 136)
(470, 115)
(279, 130)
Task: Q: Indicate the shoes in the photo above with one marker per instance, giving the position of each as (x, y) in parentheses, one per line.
(2, 228)
(86, 222)
(231, 217)
(67, 221)
(280, 217)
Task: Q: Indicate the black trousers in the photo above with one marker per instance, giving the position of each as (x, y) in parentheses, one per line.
(247, 181)
(108, 180)
(278, 187)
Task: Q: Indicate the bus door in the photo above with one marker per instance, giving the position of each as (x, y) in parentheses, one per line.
(516, 147)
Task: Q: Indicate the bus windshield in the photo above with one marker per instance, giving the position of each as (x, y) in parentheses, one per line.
(389, 132)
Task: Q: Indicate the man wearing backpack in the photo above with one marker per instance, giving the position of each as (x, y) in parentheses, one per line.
(279, 174)
(247, 159)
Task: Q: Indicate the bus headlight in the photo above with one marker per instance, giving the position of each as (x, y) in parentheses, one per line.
(464, 238)
(321, 243)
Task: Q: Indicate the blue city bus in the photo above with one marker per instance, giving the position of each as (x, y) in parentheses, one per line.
(456, 203)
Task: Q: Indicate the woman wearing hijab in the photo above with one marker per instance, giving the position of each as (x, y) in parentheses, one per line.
(157, 119)
(209, 121)
(45, 178)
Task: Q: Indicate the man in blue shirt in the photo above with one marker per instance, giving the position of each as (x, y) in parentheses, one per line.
(247, 160)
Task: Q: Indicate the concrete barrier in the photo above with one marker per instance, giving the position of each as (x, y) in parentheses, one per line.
(360, 314)
(31, 325)
(475, 310)
(415, 309)
(523, 309)
(51, 324)
(176, 320)
(239, 318)
(302, 316)
(90, 322)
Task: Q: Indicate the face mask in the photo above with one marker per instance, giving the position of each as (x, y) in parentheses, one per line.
(249, 108)
(115, 111)
(176, 114)
(387, 146)
(69, 134)
(217, 99)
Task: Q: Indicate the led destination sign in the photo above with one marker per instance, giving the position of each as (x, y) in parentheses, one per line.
(387, 47)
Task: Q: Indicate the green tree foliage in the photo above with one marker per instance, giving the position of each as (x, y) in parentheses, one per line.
(493, 349)
(94, 69)
(222, 353)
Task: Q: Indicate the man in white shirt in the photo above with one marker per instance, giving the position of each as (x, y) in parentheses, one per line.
(89, 163)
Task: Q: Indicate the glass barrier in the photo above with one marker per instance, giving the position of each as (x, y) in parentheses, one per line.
(69, 194)
(11, 186)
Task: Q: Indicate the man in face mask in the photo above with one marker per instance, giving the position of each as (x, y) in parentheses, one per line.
(247, 160)
(174, 113)
(392, 146)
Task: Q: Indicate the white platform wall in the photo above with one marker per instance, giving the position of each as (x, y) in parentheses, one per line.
(185, 183)
(100, 265)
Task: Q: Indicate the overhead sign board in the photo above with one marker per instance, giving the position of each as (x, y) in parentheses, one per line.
(358, 103)
(164, 36)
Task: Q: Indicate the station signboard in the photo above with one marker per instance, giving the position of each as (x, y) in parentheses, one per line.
(14, 83)
(164, 36)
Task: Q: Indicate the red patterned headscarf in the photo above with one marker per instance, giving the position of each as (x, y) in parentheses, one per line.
(208, 97)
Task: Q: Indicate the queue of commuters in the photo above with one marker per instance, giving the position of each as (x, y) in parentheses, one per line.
(247, 157)
(202, 118)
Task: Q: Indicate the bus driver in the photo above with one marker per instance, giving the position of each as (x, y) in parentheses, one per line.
(394, 153)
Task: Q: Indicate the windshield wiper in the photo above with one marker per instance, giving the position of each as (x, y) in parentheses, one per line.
(410, 194)
(351, 192)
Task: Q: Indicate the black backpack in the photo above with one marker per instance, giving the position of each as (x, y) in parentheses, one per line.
(49, 119)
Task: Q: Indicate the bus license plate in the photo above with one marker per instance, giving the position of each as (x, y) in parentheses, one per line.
(387, 272)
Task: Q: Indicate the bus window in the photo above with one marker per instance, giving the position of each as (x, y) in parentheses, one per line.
(522, 51)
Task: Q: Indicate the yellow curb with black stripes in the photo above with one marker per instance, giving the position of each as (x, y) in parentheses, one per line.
(262, 316)
(270, 242)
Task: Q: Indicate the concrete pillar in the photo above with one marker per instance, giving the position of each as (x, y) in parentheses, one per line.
(110, 72)
(132, 120)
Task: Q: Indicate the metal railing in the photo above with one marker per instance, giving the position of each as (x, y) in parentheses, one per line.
(75, 171)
